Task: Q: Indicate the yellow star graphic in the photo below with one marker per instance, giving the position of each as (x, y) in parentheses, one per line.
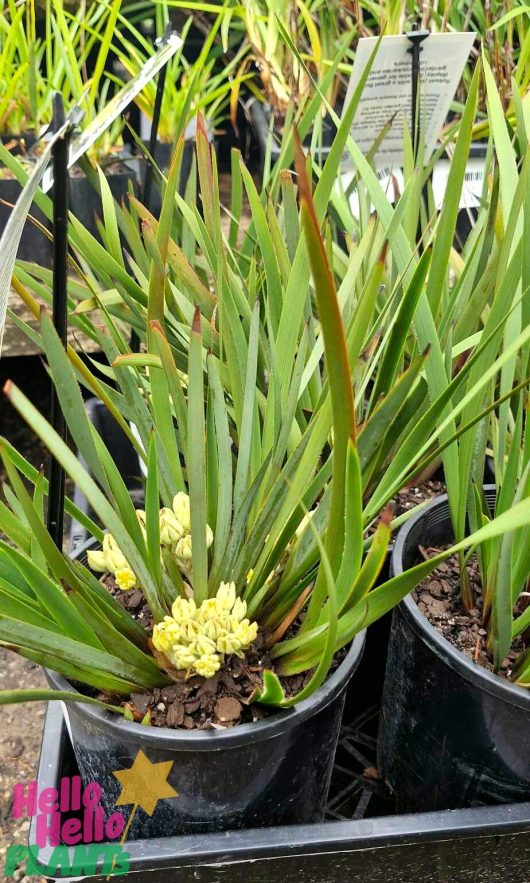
(145, 783)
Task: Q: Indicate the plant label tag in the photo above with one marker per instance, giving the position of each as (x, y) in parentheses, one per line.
(385, 107)
(472, 188)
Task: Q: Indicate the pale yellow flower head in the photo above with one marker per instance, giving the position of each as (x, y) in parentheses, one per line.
(207, 665)
(114, 557)
(196, 639)
(225, 598)
(183, 609)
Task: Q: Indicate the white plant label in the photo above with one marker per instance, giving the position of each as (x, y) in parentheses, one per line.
(387, 95)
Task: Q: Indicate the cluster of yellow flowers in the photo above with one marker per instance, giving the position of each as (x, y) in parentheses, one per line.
(197, 638)
(175, 534)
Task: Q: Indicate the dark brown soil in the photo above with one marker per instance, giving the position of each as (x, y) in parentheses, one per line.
(412, 496)
(415, 494)
(438, 599)
(194, 703)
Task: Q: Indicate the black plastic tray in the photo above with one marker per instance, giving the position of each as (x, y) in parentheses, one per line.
(488, 844)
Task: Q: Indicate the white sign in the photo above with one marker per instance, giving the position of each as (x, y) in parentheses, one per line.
(387, 95)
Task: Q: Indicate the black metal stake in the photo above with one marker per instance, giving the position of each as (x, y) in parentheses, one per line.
(55, 517)
(134, 342)
(416, 37)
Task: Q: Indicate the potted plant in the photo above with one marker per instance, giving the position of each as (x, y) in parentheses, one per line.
(245, 518)
(484, 757)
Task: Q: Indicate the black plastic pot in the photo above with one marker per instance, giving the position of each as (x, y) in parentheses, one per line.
(260, 117)
(162, 158)
(85, 202)
(34, 244)
(272, 772)
(452, 734)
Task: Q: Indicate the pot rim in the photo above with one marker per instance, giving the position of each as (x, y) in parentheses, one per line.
(476, 674)
(230, 737)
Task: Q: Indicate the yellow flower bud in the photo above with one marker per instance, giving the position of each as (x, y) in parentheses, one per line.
(190, 631)
(246, 632)
(209, 536)
(125, 579)
(239, 609)
(216, 628)
(229, 645)
(183, 548)
(161, 638)
(171, 529)
(202, 645)
(226, 596)
(114, 557)
(181, 656)
(183, 609)
(141, 516)
(96, 561)
(207, 665)
(209, 609)
(181, 509)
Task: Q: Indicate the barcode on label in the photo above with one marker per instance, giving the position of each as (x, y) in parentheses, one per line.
(474, 176)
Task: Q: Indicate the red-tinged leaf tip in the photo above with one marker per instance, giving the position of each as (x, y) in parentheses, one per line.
(201, 126)
(300, 166)
(383, 253)
(7, 388)
(155, 325)
(304, 190)
(196, 324)
(387, 515)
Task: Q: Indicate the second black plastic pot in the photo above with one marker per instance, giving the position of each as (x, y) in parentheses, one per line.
(85, 202)
(260, 118)
(452, 733)
(34, 244)
(275, 771)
